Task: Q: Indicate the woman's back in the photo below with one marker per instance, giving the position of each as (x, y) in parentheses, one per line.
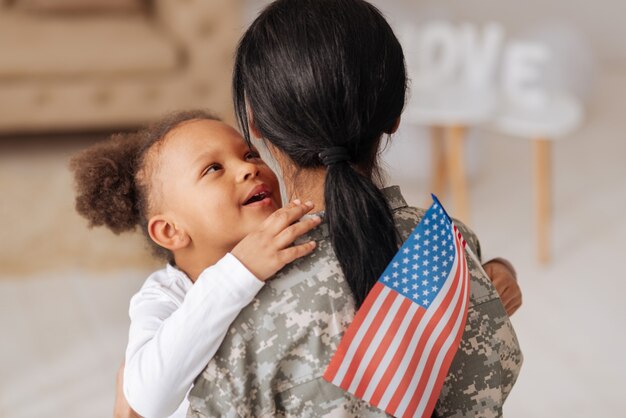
(275, 353)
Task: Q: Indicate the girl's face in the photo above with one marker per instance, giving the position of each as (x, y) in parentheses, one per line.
(214, 187)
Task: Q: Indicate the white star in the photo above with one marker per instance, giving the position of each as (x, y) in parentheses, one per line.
(425, 263)
(445, 264)
(415, 256)
(395, 264)
(427, 221)
(396, 284)
(415, 267)
(444, 252)
(426, 252)
(436, 279)
(435, 227)
(417, 237)
(427, 242)
(414, 286)
(435, 288)
(416, 247)
(394, 274)
(386, 278)
(424, 282)
(405, 260)
(415, 295)
(414, 277)
(425, 292)
(405, 270)
(435, 268)
(405, 290)
(425, 302)
(405, 280)
(405, 251)
(427, 232)
(436, 258)
(451, 258)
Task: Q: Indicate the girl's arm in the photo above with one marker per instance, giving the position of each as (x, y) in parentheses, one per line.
(122, 409)
(169, 344)
(173, 336)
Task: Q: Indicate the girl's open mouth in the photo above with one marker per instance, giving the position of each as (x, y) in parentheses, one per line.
(258, 198)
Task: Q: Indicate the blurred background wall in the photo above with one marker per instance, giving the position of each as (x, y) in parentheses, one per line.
(72, 72)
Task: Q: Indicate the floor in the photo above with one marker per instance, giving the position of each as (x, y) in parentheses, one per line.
(65, 319)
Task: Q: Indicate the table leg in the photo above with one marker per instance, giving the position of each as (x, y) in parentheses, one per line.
(542, 191)
(438, 176)
(456, 170)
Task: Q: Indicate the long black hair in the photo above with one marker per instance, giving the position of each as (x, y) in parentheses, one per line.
(317, 74)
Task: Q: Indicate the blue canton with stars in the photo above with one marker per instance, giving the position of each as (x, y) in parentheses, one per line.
(420, 267)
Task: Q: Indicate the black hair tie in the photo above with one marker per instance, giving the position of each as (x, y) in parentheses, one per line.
(334, 155)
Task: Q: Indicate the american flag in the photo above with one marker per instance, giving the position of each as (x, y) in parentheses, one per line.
(397, 352)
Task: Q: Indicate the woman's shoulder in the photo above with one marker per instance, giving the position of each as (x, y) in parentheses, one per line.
(407, 218)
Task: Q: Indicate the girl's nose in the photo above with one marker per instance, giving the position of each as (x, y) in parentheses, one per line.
(247, 171)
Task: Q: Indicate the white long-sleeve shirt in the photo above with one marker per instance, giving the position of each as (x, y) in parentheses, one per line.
(176, 328)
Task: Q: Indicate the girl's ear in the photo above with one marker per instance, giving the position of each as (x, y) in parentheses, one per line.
(166, 234)
(394, 126)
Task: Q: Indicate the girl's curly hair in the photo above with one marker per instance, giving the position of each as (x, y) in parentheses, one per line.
(112, 177)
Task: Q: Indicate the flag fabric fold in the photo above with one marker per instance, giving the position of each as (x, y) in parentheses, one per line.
(397, 351)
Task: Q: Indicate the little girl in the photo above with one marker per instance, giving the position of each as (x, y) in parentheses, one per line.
(211, 208)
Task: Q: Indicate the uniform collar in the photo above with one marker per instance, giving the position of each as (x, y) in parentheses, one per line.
(392, 195)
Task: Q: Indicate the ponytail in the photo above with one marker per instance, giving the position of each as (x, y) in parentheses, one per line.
(362, 231)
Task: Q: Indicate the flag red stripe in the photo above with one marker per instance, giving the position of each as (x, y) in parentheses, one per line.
(430, 406)
(410, 371)
(397, 358)
(432, 357)
(367, 338)
(360, 316)
(383, 346)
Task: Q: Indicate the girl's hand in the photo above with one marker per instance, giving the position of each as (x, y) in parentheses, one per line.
(269, 249)
(503, 277)
(122, 409)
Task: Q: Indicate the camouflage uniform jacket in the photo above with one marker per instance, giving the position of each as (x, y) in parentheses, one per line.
(274, 355)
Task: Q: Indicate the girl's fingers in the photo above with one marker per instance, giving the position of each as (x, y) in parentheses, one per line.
(290, 254)
(287, 236)
(285, 216)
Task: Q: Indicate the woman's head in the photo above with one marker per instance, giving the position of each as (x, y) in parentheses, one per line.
(314, 75)
(320, 73)
(187, 181)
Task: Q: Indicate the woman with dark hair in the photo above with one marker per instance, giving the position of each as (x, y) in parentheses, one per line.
(321, 82)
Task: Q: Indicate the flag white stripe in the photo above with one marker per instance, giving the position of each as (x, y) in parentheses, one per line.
(446, 347)
(410, 352)
(375, 342)
(345, 364)
(391, 352)
(408, 395)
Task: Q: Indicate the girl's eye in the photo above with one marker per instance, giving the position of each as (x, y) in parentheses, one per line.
(253, 155)
(211, 168)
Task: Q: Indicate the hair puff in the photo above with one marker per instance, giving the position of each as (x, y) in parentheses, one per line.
(104, 177)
